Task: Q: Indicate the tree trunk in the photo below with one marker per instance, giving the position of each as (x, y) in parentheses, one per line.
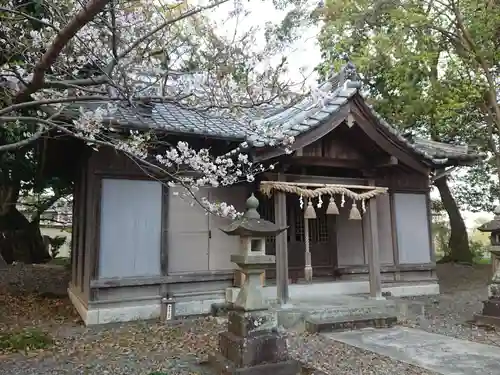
(20, 240)
(459, 238)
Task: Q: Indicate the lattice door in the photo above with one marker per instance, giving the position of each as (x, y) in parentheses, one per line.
(322, 239)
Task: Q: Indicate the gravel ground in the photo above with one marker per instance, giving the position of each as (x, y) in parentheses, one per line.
(35, 296)
(463, 288)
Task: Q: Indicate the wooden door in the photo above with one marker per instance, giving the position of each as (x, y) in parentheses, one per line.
(322, 238)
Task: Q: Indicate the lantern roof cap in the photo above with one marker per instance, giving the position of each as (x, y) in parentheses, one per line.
(493, 225)
(251, 224)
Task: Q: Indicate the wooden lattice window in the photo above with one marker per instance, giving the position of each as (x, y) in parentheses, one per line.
(318, 228)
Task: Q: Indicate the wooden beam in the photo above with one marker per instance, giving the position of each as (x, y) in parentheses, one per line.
(394, 229)
(429, 227)
(165, 200)
(316, 179)
(92, 234)
(374, 251)
(312, 184)
(390, 161)
(320, 161)
(188, 277)
(281, 247)
(416, 267)
(75, 227)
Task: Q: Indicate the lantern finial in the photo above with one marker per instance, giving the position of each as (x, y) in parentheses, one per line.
(252, 204)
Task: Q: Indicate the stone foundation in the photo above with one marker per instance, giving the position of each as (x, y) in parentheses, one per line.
(252, 345)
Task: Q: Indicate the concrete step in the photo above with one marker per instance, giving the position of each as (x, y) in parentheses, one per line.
(295, 317)
(355, 309)
(348, 324)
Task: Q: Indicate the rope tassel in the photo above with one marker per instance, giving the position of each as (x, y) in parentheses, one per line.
(332, 208)
(354, 214)
(310, 213)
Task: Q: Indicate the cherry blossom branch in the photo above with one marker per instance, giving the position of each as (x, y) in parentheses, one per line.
(84, 16)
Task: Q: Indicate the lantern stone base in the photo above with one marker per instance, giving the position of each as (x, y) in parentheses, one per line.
(239, 278)
(252, 345)
(490, 314)
(225, 367)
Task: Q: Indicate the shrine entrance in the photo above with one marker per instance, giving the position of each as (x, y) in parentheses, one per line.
(322, 239)
(310, 211)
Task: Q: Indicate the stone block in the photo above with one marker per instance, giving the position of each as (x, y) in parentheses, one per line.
(264, 347)
(491, 307)
(484, 320)
(224, 367)
(253, 260)
(220, 309)
(246, 323)
(333, 325)
(239, 278)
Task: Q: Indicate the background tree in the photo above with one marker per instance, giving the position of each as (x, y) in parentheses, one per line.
(429, 68)
(57, 55)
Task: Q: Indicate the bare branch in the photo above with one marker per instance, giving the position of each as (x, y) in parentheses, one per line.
(185, 15)
(28, 17)
(24, 142)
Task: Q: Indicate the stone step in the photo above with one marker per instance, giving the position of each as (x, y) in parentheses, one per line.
(358, 309)
(351, 323)
(294, 318)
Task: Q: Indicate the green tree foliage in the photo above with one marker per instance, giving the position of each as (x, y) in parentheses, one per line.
(429, 68)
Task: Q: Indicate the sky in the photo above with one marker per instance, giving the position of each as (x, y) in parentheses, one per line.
(305, 54)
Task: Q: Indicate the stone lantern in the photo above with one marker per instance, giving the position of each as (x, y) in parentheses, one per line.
(252, 344)
(491, 307)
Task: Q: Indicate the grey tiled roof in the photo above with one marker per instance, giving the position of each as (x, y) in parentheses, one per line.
(293, 120)
(297, 119)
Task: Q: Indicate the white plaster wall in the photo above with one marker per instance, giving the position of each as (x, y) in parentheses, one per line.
(412, 227)
(350, 247)
(385, 229)
(221, 246)
(188, 233)
(195, 241)
(130, 228)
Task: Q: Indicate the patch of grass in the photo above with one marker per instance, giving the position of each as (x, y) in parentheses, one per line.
(482, 260)
(60, 261)
(26, 340)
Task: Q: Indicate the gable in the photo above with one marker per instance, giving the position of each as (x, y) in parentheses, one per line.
(351, 134)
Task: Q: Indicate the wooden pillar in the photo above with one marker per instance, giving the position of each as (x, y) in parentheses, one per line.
(374, 251)
(75, 225)
(281, 248)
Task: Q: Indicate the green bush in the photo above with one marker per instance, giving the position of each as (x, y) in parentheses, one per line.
(28, 339)
(479, 252)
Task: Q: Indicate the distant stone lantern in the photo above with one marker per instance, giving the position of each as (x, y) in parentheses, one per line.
(252, 343)
(491, 307)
